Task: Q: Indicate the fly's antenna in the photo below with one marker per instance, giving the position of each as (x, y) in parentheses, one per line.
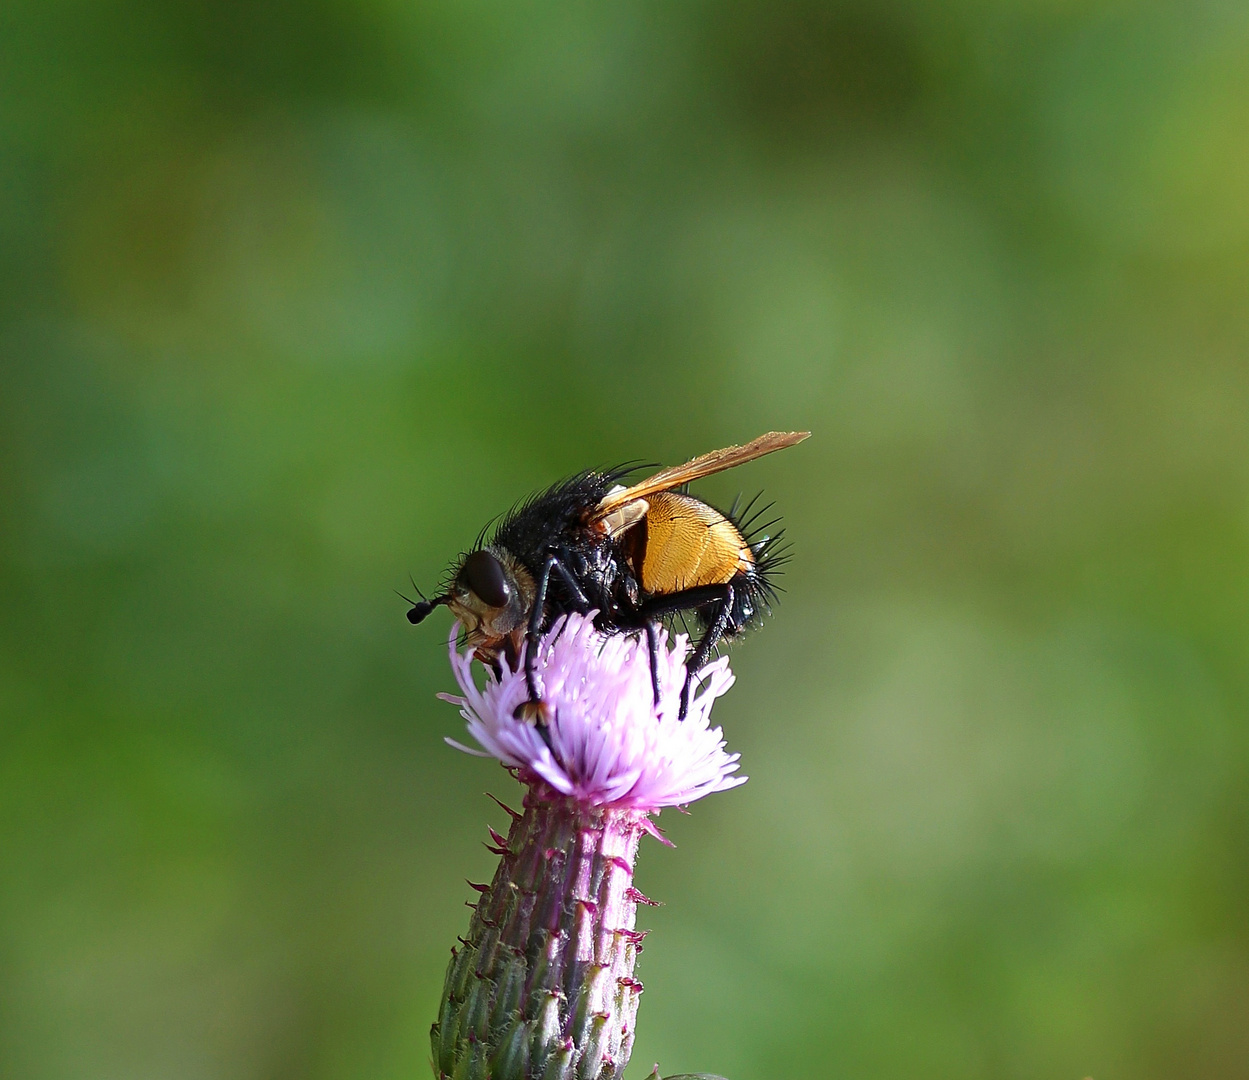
(419, 611)
(422, 607)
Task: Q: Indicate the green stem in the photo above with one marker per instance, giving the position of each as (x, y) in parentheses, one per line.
(542, 988)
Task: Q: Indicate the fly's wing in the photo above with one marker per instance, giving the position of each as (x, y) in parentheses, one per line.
(716, 461)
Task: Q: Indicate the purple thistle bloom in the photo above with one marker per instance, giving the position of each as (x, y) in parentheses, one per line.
(610, 745)
(543, 985)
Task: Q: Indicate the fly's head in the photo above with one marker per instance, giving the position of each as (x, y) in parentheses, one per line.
(491, 594)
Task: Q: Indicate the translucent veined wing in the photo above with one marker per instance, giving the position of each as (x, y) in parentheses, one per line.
(704, 465)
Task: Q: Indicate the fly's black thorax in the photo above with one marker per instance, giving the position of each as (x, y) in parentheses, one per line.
(553, 523)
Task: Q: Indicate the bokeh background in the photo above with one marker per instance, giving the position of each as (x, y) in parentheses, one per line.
(295, 296)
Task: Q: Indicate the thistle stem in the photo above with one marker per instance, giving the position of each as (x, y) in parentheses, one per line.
(543, 985)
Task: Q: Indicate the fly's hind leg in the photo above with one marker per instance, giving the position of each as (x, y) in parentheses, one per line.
(691, 600)
(714, 633)
(652, 645)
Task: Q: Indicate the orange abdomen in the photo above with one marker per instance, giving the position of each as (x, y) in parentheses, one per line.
(688, 544)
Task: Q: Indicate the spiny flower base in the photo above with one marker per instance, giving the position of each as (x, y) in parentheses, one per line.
(543, 987)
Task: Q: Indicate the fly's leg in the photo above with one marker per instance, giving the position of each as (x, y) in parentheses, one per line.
(579, 598)
(714, 633)
(652, 645)
(535, 710)
(691, 600)
(580, 601)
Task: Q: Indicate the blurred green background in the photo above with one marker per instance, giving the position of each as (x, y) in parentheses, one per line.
(295, 296)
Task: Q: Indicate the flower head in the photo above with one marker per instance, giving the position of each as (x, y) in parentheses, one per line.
(608, 743)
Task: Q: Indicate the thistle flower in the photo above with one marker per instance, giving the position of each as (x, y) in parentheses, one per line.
(543, 986)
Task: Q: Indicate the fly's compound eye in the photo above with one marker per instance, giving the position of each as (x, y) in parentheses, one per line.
(483, 573)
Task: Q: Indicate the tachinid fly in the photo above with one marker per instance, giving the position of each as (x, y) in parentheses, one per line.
(637, 555)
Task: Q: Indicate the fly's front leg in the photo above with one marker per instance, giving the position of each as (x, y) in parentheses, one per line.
(535, 710)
